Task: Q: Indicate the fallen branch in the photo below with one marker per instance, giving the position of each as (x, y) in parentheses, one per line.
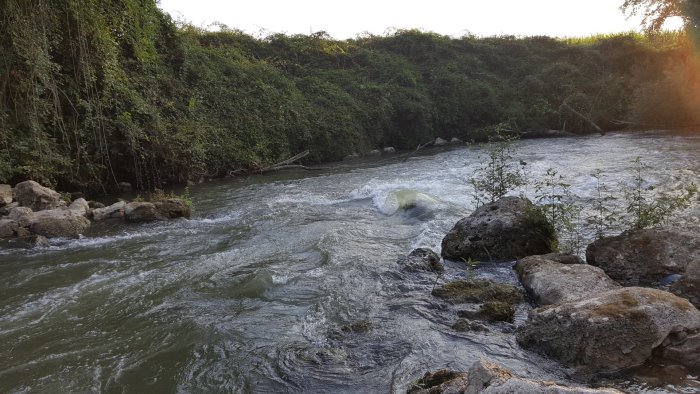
(291, 167)
(284, 162)
(408, 156)
(582, 116)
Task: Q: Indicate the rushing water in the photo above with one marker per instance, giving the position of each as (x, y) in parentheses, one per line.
(251, 294)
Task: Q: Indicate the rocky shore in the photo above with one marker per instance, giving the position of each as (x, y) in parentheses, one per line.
(31, 213)
(632, 302)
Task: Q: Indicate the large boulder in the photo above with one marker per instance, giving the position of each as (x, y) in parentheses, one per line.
(509, 228)
(5, 195)
(550, 282)
(79, 207)
(172, 208)
(615, 330)
(688, 286)
(486, 377)
(58, 223)
(421, 259)
(32, 195)
(21, 215)
(646, 256)
(114, 211)
(138, 211)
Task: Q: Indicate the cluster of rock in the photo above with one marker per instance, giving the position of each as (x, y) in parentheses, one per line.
(488, 377)
(33, 213)
(591, 316)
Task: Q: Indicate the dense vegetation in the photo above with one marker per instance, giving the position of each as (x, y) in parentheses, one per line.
(96, 92)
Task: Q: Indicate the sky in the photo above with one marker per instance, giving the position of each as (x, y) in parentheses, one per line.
(347, 19)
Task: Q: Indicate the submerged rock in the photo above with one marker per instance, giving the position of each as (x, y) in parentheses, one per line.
(478, 290)
(469, 325)
(646, 256)
(615, 330)
(442, 381)
(550, 282)
(360, 326)
(491, 311)
(509, 228)
(421, 259)
(36, 197)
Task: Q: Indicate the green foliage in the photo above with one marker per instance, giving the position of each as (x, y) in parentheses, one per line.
(115, 91)
(498, 174)
(470, 264)
(645, 211)
(556, 202)
(604, 218)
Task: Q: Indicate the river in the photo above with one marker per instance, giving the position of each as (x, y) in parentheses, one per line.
(251, 294)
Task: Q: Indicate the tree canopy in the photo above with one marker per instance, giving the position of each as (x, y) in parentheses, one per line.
(656, 12)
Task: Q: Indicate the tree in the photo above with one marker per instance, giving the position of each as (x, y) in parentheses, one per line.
(656, 12)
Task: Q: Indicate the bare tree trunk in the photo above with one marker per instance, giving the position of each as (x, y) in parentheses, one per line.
(582, 116)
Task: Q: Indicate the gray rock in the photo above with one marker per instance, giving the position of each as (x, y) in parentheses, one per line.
(58, 223)
(688, 286)
(22, 215)
(141, 212)
(421, 259)
(38, 241)
(4, 211)
(172, 208)
(486, 377)
(8, 228)
(439, 142)
(114, 211)
(32, 195)
(79, 207)
(550, 282)
(564, 258)
(374, 152)
(644, 257)
(351, 156)
(442, 381)
(509, 228)
(125, 187)
(5, 195)
(456, 141)
(615, 330)
(389, 149)
(95, 204)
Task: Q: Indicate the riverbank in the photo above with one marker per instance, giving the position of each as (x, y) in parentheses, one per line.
(180, 103)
